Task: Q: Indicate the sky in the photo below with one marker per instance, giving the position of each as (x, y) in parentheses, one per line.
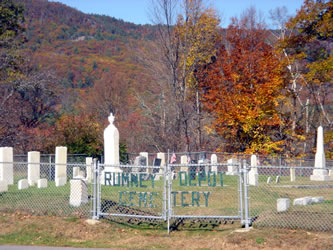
(137, 11)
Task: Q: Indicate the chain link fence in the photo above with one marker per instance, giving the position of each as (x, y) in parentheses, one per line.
(44, 194)
(204, 187)
(204, 190)
(132, 191)
(285, 197)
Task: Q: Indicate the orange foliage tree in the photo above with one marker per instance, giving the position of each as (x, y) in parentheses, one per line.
(241, 88)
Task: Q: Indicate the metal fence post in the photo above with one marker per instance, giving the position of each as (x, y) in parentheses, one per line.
(98, 206)
(94, 209)
(169, 191)
(246, 199)
(240, 190)
(164, 208)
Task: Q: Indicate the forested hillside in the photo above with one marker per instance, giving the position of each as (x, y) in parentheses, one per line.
(183, 84)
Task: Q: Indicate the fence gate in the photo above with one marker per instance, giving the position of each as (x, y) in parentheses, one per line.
(130, 191)
(176, 192)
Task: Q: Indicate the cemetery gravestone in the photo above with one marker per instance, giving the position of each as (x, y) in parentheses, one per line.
(42, 183)
(213, 160)
(320, 173)
(232, 169)
(78, 194)
(61, 165)
(283, 204)
(89, 168)
(23, 184)
(111, 143)
(76, 171)
(292, 174)
(253, 173)
(3, 186)
(33, 167)
(269, 180)
(111, 150)
(183, 160)
(6, 165)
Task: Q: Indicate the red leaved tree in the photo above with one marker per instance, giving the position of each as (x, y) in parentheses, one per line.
(242, 88)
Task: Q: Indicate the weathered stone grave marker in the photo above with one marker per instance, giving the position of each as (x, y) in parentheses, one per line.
(33, 167)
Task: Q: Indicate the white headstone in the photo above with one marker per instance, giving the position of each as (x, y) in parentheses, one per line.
(303, 201)
(89, 168)
(283, 204)
(253, 160)
(318, 199)
(76, 171)
(3, 186)
(61, 163)
(293, 174)
(79, 193)
(320, 173)
(146, 155)
(33, 167)
(232, 169)
(23, 184)
(269, 180)
(330, 173)
(253, 173)
(161, 156)
(6, 169)
(277, 180)
(253, 178)
(213, 160)
(42, 183)
(111, 143)
(60, 181)
(183, 160)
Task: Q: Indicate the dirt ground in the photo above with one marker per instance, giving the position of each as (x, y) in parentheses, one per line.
(23, 229)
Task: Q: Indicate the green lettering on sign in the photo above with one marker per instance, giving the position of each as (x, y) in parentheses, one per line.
(125, 179)
(195, 199)
(202, 177)
(114, 180)
(183, 199)
(143, 198)
(131, 198)
(134, 179)
(206, 194)
(151, 199)
(122, 203)
(192, 176)
(141, 180)
(107, 178)
(174, 197)
(209, 179)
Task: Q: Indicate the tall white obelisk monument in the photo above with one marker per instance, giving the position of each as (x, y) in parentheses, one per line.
(320, 172)
(111, 143)
(111, 153)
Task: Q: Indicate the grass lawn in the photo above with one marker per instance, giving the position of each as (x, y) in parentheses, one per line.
(23, 229)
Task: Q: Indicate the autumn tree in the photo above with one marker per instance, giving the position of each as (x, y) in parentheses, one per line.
(304, 45)
(242, 88)
(187, 34)
(11, 38)
(80, 133)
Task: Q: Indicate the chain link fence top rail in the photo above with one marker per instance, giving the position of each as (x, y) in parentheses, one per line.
(303, 204)
(70, 196)
(50, 158)
(132, 191)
